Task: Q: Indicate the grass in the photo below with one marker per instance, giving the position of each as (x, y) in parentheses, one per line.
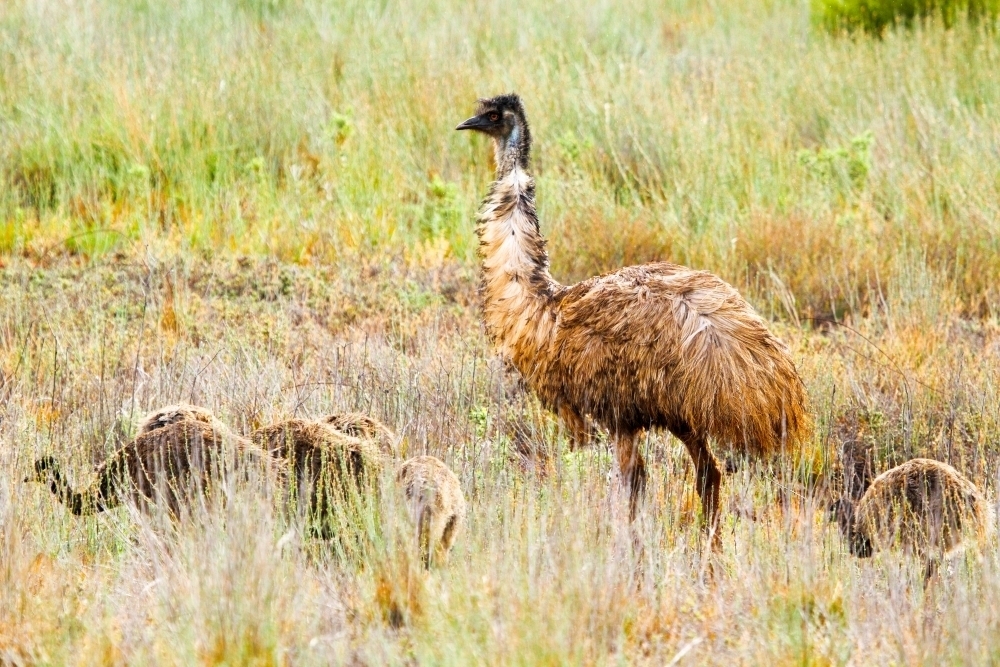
(261, 207)
(875, 16)
(314, 134)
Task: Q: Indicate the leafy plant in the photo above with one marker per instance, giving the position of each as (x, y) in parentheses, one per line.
(874, 16)
(848, 165)
(442, 211)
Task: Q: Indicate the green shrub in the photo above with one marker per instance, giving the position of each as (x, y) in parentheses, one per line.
(874, 16)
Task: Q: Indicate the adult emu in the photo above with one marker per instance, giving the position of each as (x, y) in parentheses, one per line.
(655, 345)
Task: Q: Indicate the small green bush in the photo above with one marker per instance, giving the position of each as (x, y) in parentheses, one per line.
(874, 16)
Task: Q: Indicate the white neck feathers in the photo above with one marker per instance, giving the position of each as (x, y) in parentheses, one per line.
(516, 284)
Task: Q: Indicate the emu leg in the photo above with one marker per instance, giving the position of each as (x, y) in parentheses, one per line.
(931, 568)
(448, 538)
(424, 536)
(578, 435)
(632, 469)
(709, 480)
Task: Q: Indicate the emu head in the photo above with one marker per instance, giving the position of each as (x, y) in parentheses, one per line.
(842, 511)
(502, 118)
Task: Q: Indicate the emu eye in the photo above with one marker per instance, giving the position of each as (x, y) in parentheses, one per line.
(494, 117)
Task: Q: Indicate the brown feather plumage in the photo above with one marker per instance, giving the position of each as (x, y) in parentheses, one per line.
(436, 505)
(172, 414)
(923, 507)
(164, 465)
(329, 467)
(365, 427)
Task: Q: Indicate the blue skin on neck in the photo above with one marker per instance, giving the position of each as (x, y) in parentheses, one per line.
(515, 134)
(508, 152)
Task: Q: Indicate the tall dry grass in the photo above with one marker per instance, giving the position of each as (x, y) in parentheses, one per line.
(543, 574)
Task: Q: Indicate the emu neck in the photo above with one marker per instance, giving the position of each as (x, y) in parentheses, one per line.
(517, 288)
(64, 492)
(512, 152)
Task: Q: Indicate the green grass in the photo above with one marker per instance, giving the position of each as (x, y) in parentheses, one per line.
(262, 207)
(310, 132)
(875, 16)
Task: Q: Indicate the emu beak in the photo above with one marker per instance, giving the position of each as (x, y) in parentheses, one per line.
(474, 123)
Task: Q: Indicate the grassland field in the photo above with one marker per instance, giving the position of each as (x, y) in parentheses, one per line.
(260, 206)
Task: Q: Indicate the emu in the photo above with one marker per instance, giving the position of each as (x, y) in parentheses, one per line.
(436, 505)
(164, 464)
(329, 467)
(365, 427)
(173, 414)
(655, 345)
(924, 508)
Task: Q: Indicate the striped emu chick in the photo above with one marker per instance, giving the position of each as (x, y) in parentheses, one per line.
(329, 467)
(172, 414)
(365, 427)
(656, 345)
(169, 464)
(923, 507)
(436, 504)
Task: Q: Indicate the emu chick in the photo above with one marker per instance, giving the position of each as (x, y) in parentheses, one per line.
(329, 467)
(436, 505)
(923, 507)
(165, 465)
(172, 414)
(365, 427)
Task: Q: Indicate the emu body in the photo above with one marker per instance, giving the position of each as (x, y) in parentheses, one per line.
(436, 504)
(173, 414)
(168, 464)
(923, 507)
(329, 467)
(365, 427)
(651, 346)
